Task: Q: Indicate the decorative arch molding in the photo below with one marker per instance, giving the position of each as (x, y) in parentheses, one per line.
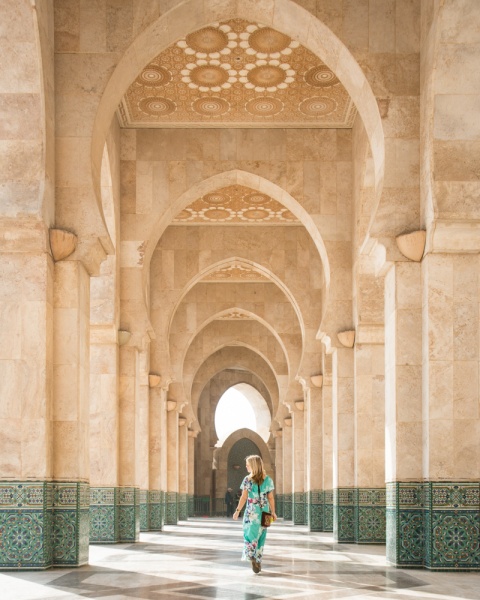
(246, 360)
(223, 451)
(240, 377)
(248, 263)
(283, 15)
(202, 329)
(189, 378)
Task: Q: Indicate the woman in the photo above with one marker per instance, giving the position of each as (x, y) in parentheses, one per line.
(258, 495)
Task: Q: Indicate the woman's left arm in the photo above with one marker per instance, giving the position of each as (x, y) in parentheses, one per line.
(271, 503)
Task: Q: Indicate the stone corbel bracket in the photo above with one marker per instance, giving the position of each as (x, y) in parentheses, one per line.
(288, 421)
(62, 243)
(123, 336)
(317, 380)
(154, 379)
(171, 405)
(412, 245)
(299, 404)
(347, 338)
(181, 421)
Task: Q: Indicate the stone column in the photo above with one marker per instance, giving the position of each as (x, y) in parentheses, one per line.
(403, 414)
(182, 469)
(104, 437)
(26, 373)
(279, 458)
(327, 443)
(451, 426)
(369, 358)
(287, 469)
(171, 515)
(298, 470)
(142, 453)
(191, 471)
(128, 493)
(157, 415)
(314, 464)
(70, 416)
(344, 499)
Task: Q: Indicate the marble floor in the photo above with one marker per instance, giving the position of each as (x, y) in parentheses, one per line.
(200, 559)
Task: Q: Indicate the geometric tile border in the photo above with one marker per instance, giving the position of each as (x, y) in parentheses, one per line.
(405, 535)
(287, 507)
(144, 510)
(370, 516)
(190, 505)
(171, 508)
(104, 515)
(155, 510)
(344, 509)
(279, 505)
(182, 507)
(128, 514)
(434, 525)
(328, 510)
(299, 509)
(315, 510)
(43, 524)
(452, 526)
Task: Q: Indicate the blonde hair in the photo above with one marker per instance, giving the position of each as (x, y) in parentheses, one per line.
(258, 473)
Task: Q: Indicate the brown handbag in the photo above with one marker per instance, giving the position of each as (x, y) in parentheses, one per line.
(267, 518)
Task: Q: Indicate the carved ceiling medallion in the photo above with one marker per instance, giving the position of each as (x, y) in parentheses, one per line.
(236, 205)
(236, 73)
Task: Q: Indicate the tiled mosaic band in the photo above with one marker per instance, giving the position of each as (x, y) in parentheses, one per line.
(452, 526)
(190, 505)
(299, 509)
(434, 525)
(171, 508)
(370, 527)
(155, 510)
(128, 514)
(43, 524)
(143, 510)
(344, 509)
(182, 507)
(279, 505)
(103, 515)
(287, 507)
(328, 510)
(315, 510)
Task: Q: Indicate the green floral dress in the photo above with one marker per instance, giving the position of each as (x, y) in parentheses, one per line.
(254, 534)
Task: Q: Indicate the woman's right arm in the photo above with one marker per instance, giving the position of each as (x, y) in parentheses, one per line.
(241, 504)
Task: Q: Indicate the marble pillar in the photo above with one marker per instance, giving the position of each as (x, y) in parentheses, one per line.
(314, 462)
(403, 415)
(369, 355)
(279, 458)
(129, 492)
(191, 472)
(157, 413)
(287, 470)
(327, 442)
(171, 515)
(451, 411)
(142, 454)
(299, 513)
(344, 497)
(26, 460)
(182, 469)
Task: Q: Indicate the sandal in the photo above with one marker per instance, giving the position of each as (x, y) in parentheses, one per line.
(255, 566)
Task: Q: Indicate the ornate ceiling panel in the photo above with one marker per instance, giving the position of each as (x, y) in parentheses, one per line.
(236, 73)
(236, 272)
(236, 205)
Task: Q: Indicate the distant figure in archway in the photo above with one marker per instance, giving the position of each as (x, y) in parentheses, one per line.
(229, 502)
(258, 496)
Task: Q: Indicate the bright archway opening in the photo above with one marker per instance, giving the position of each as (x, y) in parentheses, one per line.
(240, 407)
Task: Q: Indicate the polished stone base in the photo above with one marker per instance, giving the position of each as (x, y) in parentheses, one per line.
(370, 516)
(434, 525)
(299, 510)
(344, 509)
(287, 507)
(315, 510)
(171, 508)
(43, 524)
